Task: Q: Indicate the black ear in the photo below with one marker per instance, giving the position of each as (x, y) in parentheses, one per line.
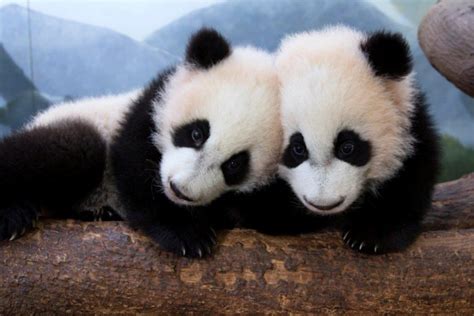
(207, 48)
(388, 54)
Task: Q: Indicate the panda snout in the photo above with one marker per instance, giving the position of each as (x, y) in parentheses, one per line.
(326, 205)
(178, 193)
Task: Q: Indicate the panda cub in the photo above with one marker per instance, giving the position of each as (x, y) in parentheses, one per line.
(359, 143)
(166, 157)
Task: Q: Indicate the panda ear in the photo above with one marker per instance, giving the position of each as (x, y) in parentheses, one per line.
(206, 48)
(388, 55)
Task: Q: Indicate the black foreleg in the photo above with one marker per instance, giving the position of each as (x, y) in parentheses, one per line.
(52, 167)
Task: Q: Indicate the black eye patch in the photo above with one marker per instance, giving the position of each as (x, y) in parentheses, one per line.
(236, 168)
(351, 148)
(296, 152)
(192, 135)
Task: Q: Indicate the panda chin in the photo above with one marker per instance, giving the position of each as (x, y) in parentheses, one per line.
(179, 200)
(340, 208)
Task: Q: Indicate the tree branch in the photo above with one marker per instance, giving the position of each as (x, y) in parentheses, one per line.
(106, 268)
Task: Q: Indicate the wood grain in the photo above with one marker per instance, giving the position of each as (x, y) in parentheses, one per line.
(106, 268)
(446, 36)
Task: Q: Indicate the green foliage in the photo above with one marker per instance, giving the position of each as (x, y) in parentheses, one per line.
(457, 160)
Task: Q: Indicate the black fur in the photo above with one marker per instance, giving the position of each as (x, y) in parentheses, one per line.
(136, 165)
(51, 167)
(183, 135)
(296, 152)
(361, 152)
(236, 168)
(273, 209)
(207, 48)
(388, 54)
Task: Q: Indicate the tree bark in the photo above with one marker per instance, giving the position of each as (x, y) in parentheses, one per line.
(446, 35)
(106, 268)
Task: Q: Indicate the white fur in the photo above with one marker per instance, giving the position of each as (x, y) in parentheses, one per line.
(327, 85)
(240, 99)
(105, 113)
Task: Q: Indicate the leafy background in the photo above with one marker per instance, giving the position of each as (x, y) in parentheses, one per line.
(71, 59)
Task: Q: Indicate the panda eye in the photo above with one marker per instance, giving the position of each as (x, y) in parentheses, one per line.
(197, 136)
(236, 168)
(192, 135)
(352, 148)
(346, 149)
(296, 152)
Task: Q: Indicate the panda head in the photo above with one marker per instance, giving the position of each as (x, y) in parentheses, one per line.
(346, 108)
(218, 121)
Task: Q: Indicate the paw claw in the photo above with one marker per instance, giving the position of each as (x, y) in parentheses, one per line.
(200, 253)
(353, 244)
(183, 251)
(345, 235)
(213, 233)
(362, 244)
(13, 237)
(376, 248)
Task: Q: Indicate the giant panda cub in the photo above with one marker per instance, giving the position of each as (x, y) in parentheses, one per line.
(360, 148)
(161, 157)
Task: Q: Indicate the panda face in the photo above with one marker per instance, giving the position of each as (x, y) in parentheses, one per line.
(346, 129)
(219, 128)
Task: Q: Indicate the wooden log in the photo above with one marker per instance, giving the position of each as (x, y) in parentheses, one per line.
(446, 35)
(106, 268)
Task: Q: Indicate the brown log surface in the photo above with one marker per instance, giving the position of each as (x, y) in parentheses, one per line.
(446, 36)
(106, 268)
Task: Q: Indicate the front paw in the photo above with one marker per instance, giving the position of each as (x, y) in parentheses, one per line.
(16, 220)
(190, 240)
(373, 239)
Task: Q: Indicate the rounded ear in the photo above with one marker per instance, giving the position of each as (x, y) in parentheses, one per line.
(206, 48)
(388, 55)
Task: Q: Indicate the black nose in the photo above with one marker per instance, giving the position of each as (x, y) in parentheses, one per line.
(326, 207)
(178, 193)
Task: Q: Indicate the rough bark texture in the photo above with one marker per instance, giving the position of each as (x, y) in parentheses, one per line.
(446, 35)
(105, 268)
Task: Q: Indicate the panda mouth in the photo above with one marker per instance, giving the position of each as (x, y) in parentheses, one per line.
(324, 207)
(178, 193)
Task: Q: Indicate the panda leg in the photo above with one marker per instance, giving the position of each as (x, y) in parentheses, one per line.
(387, 226)
(51, 166)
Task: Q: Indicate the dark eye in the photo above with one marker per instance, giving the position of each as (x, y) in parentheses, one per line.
(351, 148)
(236, 168)
(192, 135)
(197, 136)
(234, 165)
(347, 148)
(296, 152)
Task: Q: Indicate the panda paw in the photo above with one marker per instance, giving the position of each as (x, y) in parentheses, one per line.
(376, 239)
(190, 240)
(16, 220)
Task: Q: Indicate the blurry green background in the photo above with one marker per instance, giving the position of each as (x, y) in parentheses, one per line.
(55, 50)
